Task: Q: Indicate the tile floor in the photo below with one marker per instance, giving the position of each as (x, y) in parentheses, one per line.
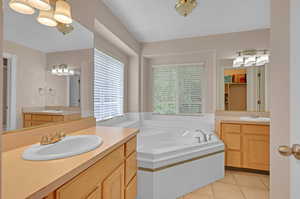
(235, 185)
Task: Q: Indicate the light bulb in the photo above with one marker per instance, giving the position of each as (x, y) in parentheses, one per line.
(21, 6)
(40, 4)
(63, 12)
(46, 18)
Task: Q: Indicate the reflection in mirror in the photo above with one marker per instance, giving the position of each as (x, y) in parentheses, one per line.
(45, 71)
(243, 89)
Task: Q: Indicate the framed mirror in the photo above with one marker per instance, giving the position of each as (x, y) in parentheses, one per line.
(46, 69)
(242, 88)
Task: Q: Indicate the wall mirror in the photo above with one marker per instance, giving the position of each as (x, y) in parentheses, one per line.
(45, 70)
(243, 88)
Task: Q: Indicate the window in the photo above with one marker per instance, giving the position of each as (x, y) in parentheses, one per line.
(178, 89)
(108, 86)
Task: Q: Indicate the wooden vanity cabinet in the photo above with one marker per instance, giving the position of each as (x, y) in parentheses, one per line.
(112, 177)
(36, 119)
(246, 145)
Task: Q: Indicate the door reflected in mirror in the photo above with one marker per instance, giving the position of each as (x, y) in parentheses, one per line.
(243, 89)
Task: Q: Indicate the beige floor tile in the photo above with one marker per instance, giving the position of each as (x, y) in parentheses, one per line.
(205, 190)
(266, 180)
(249, 181)
(226, 191)
(198, 196)
(253, 193)
(229, 178)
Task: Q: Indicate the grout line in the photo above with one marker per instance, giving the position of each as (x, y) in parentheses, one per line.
(239, 186)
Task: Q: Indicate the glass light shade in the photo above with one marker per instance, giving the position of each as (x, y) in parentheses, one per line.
(262, 60)
(250, 61)
(46, 18)
(63, 12)
(40, 4)
(21, 6)
(238, 62)
(185, 7)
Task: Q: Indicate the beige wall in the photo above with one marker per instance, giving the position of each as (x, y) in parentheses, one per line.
(114, 35)
(30, 76)
(209, 49)
(280, 101)
(81, 59)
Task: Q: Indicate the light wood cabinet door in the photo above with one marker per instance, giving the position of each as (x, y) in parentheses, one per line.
(256, 152)
(131, 189)
(95, 194)
(113, 186)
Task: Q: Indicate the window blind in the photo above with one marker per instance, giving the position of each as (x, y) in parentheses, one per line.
(178, 89)
(108, 86)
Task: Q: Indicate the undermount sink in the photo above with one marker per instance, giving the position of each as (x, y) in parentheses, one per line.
(69, 146)
(256, 119)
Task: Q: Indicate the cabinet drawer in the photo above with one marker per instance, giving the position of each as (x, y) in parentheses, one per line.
(82, 185)
(27, 117)
(130, 146)
(27, 124)
(36, 123)
(232, 128)
(57, 118)
(130, 167)
(46, 118)
(255, 129)
(131, 189)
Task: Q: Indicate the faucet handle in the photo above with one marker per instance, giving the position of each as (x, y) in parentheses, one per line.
(44, 140)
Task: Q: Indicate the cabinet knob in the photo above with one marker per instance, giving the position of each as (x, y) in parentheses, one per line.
(288, 151)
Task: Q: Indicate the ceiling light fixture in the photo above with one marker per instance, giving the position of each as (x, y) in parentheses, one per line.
(21, 6)
(185, 7)
(251, 57)
(51, 12)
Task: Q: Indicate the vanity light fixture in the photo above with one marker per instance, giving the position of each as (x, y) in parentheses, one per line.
(21, 6)
(46, 18)
(185, 7)
(62, 70)
(63, 12)
(40, 4)
(251, 57)
(51, 12)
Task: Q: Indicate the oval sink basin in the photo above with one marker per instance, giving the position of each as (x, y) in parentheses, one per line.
(69, 146)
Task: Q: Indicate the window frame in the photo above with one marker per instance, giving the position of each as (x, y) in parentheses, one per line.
(203, 87)
(93, 83)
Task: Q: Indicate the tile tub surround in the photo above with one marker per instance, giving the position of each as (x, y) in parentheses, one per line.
(235, 185)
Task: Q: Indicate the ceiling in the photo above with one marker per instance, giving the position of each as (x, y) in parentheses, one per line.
(156, 20)
(25, 30)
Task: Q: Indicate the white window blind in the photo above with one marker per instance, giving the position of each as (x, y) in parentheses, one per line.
(108, 86)
(178, 89)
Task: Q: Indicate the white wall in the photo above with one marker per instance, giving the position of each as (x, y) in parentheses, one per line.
(30, 76)
(208, 49)
(80, 59)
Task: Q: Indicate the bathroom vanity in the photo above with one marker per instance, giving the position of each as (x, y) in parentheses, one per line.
(108, 172)
(246, 144)
(35, 118)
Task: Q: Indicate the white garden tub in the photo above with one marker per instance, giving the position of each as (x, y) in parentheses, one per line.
(173, 156)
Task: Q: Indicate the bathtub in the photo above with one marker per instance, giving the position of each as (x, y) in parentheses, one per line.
(174, 157)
